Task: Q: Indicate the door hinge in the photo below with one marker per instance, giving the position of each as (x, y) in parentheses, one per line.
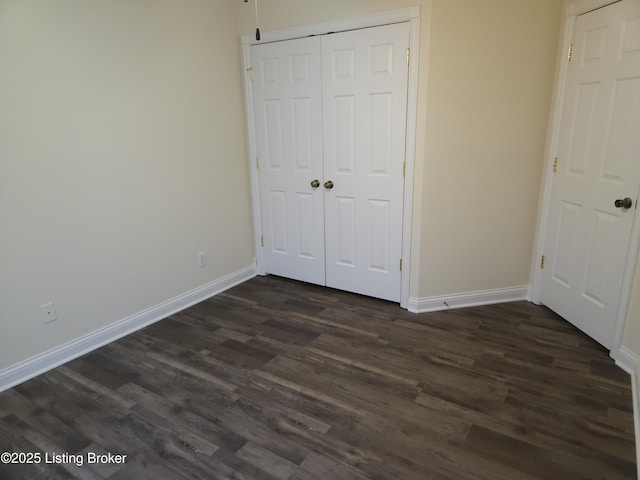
(262, 241)
(400, 264)
(555, 164)
(250, 70)
(570, 52)
(542, 262)
(408, 56)
(257, 161)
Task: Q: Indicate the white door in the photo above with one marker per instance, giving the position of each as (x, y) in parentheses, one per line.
(598, 163)
(364, 83)
(332, 108)
(288, 127)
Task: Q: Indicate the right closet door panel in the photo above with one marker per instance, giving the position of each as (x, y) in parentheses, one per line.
(364, 98)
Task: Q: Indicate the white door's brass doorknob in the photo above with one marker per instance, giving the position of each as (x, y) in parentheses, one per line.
(625, 203)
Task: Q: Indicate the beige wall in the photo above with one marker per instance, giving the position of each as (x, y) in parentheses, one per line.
(631, 339)
(490, 82)
(481, 130)
(122, 154)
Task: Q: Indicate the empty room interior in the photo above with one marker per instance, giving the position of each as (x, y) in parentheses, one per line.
(288, 239)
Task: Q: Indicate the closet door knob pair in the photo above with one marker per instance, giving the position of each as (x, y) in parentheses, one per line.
(328, 184)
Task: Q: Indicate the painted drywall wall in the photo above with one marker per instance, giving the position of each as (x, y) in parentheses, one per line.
(486, 78)
(631, 338)
(122, 155)
(491, 79)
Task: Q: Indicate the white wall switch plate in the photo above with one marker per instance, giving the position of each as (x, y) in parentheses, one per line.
(202, 259)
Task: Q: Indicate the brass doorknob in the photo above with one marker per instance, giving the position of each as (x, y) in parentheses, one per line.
(625, 203)
(315, 183)
(328, 184)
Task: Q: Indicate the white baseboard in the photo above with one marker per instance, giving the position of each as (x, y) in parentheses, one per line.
(469, 299)
(34, 366)
(630, 363)
(628, 360)
(635, 384)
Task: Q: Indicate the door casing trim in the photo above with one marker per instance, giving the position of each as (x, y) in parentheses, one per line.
(410, 15)
(572, 11)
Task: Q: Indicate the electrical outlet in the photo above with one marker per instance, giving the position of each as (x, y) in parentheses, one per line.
(202, 259)
(48, 312)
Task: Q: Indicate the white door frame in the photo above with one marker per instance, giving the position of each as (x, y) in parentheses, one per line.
(571, 13)
(410, 15)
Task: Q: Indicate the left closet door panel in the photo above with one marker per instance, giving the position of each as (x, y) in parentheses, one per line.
(287, 92)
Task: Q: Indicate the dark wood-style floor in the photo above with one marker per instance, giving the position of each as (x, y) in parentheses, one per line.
(275, 379)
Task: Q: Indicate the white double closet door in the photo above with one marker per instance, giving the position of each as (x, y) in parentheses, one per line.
(330, 123)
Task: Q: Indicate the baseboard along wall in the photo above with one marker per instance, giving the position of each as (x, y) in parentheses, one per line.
(630, 363)
(635, 382)
(469, 299)
(32, 367)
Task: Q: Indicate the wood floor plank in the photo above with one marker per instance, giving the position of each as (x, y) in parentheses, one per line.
(147, 466)
(261, 457)
(318, 467)
(429, 455)
(277, 379)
